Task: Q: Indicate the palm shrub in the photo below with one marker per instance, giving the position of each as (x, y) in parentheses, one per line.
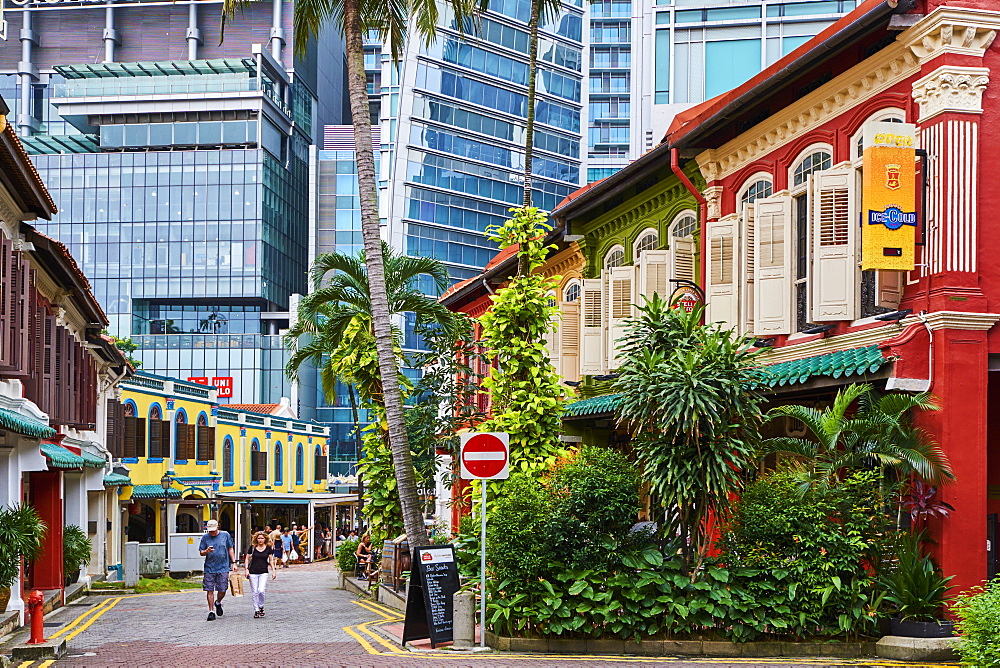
(21, 535)
(689, 393)
(913, 583)
(76, 549)
(978, 625)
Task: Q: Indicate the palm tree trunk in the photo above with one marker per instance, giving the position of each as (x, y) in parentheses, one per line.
(357, 446)
(406, 484)
(529, 139)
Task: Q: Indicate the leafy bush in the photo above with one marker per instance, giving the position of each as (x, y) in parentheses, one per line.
(914, 585)
(346, 560)
(979, 625)
(21, 534)
(76, 548)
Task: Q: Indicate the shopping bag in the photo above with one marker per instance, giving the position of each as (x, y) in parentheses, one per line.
(235, 584)
(294, 555)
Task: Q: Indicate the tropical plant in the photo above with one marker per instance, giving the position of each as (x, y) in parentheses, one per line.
(920, 503)
(878, 434)
(127, 346)
(978, 625)
(390, 19)
(76, 549)
(347, 561)
(21, 535)
(689, 394)
(914, 585)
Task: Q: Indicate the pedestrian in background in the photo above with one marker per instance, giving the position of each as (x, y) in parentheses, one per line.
(275, 538)
(260, 563)
(286, 547)
(220, 557)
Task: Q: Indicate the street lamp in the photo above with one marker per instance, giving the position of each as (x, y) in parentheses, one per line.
(214, 508)
(165, 482)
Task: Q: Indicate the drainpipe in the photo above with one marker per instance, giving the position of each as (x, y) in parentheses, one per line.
(277, 31)
(193, 33)
(702, 212)
(28, 73)
(922, 316)
(111, 38)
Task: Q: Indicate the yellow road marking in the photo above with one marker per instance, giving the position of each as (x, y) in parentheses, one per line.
(25, 664)
(385, 608)
(45, 664)
(83, 627)
(372, 608)
(364, 643)
(379, 639)
(80, 618)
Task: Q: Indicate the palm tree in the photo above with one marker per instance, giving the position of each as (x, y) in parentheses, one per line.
(879, 433)
(540, 10)
(390, 20)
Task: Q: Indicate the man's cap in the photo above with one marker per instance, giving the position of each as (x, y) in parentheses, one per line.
(212, 525)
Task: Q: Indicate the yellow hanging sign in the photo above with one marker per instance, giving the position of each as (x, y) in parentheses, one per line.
(888, 196)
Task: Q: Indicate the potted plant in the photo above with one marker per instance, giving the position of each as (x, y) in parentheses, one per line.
(21, 533)
(76, 552)
(917, 592)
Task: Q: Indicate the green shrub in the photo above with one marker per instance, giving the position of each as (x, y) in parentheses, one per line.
(21, 534)
(76, 548)
(914, 586)
(979, 625)
(346, 559)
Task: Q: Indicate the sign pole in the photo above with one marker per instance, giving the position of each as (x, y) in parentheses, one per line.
(482, 572)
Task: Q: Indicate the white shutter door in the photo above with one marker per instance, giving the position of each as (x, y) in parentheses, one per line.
(654, 272)
(682, 250)
(552, 339)
(723, 271)
(773, 265)
(836, 278)
(888, 289)
(592, 327)
(569, 342)
(620, 281)
(746, 252)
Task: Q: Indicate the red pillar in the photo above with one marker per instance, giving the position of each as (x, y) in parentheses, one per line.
(960, 386)
(46, 497)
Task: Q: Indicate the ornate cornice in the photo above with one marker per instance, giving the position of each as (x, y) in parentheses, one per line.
(951, 89)
(955, 30)
(961, 320)
(568, 259)
(635, 211)
(713, 198)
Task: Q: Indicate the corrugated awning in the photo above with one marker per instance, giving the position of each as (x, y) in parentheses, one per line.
(159, 68)
(153, 492)
(22, 424)
(116, 480)
(61, 458)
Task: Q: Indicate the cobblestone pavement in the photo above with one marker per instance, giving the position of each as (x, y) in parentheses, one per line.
(308, 623)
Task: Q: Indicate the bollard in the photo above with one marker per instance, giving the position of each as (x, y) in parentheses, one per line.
(35, 602)
(464, 625)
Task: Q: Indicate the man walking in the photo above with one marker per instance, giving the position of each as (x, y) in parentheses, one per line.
(220, 557)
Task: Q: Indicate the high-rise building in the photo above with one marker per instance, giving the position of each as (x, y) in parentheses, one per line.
(180, 168)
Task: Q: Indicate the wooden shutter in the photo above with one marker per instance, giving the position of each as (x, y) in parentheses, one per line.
(131, 437)
(836, 277)
(189, 440)
(773, 265)
(258, 464)
(206, 443)
(746, 276)
(157, 436)
(551, 338)
(682, 249)
(320, 466)
(621, 301)
(140, 436)
(8, 291)
(888, 288)
(654, 274)
(21, 315)
(113, 426)
(569, 341)
(592, 327)
(723, 271)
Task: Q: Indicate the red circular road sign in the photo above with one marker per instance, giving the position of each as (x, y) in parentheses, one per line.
(484, 455)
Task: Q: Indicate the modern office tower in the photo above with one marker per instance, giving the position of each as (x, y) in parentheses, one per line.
(647, 62)
(180, 169)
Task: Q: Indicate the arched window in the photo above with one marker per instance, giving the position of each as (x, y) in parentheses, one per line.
(885, 116)
(648, 240)
(300, 465)
(684, 225)
(682, 251)
(572, 292)
(159, 446)
(614, 258)
(757, 190)
(155, 413)
(279, 468)
(317, 474)
(129, 409)
(254, 455)
(816, 161)
(227, 461)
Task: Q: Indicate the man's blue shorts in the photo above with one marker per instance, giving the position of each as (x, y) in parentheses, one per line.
(215, 581)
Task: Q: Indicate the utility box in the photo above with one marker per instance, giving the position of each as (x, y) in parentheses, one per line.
(131, 575)
(152, 559)
(183, 552)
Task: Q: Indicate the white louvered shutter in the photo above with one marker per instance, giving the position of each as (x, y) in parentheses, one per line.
(836, 278)
(569, 342)
(746, 277)
(592, 327)
(888, 289)
(723, 270)
(621, 297)
(552, 338)
(654, 272)
(682, 250)
(773, 265)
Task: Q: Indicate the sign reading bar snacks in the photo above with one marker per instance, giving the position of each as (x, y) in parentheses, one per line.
(888, 196)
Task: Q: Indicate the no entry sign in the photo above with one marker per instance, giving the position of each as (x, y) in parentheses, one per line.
(485, 456)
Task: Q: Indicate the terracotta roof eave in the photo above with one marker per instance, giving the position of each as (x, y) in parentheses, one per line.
(825, 45)
(21, 177)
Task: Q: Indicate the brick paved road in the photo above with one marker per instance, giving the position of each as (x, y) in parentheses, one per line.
(308, 623)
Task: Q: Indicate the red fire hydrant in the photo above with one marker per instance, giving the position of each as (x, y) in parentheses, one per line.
(35, 602)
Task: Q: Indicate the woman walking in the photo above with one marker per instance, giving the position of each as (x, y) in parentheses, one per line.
(260, 562)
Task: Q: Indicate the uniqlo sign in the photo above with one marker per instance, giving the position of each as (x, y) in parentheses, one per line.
(201, 380)
(225, 385)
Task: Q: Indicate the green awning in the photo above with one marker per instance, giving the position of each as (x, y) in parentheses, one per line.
(93, 461)
(48, 144)
(158, 68)
(116, 480)
(153, 492)
(22, 424)
(840, 364)
(61, 458)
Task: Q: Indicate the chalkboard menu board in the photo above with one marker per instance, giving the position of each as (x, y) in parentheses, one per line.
(429, 606)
